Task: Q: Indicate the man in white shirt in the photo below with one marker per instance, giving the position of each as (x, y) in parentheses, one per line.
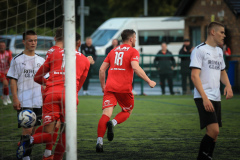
(208, 69)
(26, 93)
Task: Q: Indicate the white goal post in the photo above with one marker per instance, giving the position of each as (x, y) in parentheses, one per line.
(70, 79)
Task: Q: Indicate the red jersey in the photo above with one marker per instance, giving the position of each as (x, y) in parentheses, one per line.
(120, 73)
(5, 60)
(82, 68)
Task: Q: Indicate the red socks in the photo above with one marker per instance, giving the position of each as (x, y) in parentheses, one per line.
(60, 148)
(49, 146)
(5, 91)
(102, 125)
(121, 117)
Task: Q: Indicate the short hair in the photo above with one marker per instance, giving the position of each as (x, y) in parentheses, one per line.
(78, 37)
(2, 42)
(127, 33)
(59, 34)
(28, 32)
(212, 25)
(88, 38)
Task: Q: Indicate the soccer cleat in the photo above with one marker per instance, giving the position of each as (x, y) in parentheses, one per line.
(23, 147)
(48, 158)
(110, 133)
(99, 147)
(9, 100)
(5, 101)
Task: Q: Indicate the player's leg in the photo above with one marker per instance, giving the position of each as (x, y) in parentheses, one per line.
(109, 102)
(212, 121)
(184, 83)
(170, 82)
(6, 98)
(126, 102)
(61, 145)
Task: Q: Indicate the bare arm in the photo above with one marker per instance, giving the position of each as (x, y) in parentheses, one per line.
(198, 84)
(16, 102)
(228, 89)
(102, 71)
(140, 72)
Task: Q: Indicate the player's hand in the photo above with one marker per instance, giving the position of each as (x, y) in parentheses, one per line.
(90, 58)
(103, 88)
(208, 105)
(228, 92)
(152, 83)
(16, 104)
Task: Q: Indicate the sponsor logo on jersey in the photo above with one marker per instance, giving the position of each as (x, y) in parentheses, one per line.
(137, 58)
(214, 64)
(29, 73)
(39, 65)
(122, 49)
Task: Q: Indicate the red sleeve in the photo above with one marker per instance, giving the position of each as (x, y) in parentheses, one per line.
(42, 71)
(10, 56)
(135, 55)
(107, 59)
(87, 66)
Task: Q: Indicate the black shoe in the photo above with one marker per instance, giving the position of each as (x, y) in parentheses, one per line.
(110, 133)
(24, 147)
(99, 147)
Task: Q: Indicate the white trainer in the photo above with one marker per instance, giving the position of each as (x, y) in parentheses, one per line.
(5, 102)
(9, 100)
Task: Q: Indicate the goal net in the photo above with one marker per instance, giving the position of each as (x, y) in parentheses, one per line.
(16, 17)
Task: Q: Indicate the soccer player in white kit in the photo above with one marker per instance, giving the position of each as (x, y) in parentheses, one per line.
(26, 93)
(207, 70)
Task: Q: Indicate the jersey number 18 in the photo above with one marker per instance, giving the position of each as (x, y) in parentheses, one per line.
(118, 58)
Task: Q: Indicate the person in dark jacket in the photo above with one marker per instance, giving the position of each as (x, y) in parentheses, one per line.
(88, 50)
(165, 64)
(185, 61)
(114, 44)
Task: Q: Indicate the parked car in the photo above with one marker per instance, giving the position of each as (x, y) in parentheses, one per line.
(14, 43)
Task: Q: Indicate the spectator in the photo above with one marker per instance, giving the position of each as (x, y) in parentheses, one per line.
(5, 60)
(165, 64)
(114, 44)
(226, 50)
(88, 50)
(185, 61)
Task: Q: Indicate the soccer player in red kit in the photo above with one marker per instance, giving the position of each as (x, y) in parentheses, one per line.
(54, 101)
(5, 59)
(122, 61)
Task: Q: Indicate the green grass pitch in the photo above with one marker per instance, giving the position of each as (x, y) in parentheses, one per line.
(160, 127)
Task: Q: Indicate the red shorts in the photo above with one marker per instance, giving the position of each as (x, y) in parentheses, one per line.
(2, 77)
(53, 108)
(125, 100)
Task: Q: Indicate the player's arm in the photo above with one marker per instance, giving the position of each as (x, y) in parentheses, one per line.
(16, 102)
(39, 76)
(198, 84)
(102, 71)
(140, 72)
(228, 89)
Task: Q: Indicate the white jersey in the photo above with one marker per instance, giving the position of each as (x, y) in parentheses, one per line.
(23, 68)
(210, 61)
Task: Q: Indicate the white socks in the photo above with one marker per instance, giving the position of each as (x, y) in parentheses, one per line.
(114, 122)
(100, 140)
(47, 153)
(31, 140)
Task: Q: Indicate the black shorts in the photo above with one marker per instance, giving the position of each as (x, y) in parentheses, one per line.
(37, 111)
(207, 118)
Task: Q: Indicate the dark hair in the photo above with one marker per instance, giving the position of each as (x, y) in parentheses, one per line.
(78, 37)
(28, 32)
(212, 25)
(127, 33)
(59, 34)
(2, 42)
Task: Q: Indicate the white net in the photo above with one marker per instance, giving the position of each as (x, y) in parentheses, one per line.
(17, 16)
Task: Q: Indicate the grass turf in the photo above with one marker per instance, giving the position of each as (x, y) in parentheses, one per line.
(161, 127)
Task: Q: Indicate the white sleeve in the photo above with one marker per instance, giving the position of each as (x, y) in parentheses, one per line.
(196, 59)
(223, 66)
(12, 72)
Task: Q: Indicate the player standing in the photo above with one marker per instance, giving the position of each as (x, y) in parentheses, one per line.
(26, 93)
(123, 62)
(54, 101)
(208, 69)
(5, 60)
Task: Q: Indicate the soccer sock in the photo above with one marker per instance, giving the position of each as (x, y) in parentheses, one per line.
(39, 129)
(102, 125)
(212, 149)
(121, 117)
(204, 150)
(5, 91)
(42, 138)
(60, 148)
(49, 146)
(100, 140)
(47, 153)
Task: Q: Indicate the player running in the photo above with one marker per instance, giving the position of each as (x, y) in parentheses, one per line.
(122, 61)
(5, 60)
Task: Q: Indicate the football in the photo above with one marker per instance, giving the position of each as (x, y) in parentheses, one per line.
(27, 118)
